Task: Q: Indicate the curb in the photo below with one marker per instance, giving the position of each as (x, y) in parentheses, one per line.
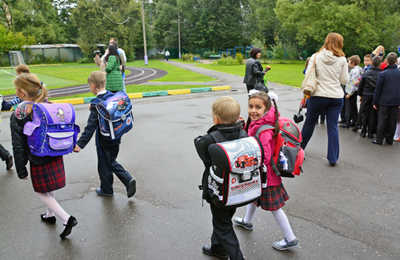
(78, 101)
(86, 100)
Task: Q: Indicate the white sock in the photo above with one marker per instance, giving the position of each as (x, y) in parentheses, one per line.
(251, 210)
(397, 132)
(53, 206)
(283, 223)
(50, 213)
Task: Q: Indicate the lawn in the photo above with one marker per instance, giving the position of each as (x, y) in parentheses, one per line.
(290, 74)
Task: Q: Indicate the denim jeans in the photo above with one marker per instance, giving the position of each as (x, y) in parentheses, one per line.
(332, 108)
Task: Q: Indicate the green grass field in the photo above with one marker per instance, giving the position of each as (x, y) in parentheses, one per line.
(286, 74)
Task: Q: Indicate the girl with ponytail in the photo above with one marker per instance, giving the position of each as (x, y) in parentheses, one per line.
(273, 196)
(47, 173)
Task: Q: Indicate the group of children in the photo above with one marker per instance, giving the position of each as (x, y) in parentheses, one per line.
(378, 86)
(47, 173)
(225, 113)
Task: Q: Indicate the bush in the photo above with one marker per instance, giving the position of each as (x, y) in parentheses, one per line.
(239, 58)
(85, 60)
(226, 62)
(187, 57)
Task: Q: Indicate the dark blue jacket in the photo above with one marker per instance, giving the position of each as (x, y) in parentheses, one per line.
(93, 125)
(387, 90)
(368, 82)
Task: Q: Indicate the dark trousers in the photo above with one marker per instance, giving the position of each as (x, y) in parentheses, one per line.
(249, 87)
(167, 57)
(351, 109)
(343, 111)
(107, 165)
(369, 115)
(387, 120)
(332, 107)
(3, 153)
(223, 239)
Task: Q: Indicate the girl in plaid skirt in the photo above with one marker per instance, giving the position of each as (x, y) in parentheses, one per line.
(47, 173)
(273, 196)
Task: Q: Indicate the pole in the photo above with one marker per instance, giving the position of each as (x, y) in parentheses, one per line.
(179, 34)
(144, 37)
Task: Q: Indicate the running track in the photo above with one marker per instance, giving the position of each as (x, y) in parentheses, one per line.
(137, 76)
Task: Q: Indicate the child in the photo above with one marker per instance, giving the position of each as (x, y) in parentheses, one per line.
(367, 66)
(387, 100)
(273, 197)
(107, 151)
(366, 91)
(47, 173)
(351, 92)
(224, 243)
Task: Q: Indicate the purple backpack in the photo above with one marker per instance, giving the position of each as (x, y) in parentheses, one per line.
(52, 132)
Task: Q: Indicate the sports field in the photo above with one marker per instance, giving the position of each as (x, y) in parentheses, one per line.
(7, 87)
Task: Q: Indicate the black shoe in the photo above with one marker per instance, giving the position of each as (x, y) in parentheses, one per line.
(370, 136)
(342, 121)
(389, 142)
(207, 250)
(100, 192)
(332, 164)
(50, 220)
(363, 135)
(72, 222)
(131, 188)
(356, 128)
(9, 162)
(344, 125)
(322, 122)
(353, 124)
(376, 142)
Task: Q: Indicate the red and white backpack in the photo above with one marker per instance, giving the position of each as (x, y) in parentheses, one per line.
(288, 156)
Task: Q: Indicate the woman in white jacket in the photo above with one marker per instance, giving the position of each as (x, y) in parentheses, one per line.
(332, 70)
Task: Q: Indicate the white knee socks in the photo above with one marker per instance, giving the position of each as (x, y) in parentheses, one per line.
(52, 206)
(283, 223)
(251, 210)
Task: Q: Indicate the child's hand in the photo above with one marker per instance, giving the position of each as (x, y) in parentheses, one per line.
(360, 99)
(357, 83)
(77, 149)
(347, 96)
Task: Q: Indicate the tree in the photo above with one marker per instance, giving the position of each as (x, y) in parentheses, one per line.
(37, 18)
(363, 24)
(98, 21)
(13, 41)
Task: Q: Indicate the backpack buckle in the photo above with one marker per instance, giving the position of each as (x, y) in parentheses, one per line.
(246, 175)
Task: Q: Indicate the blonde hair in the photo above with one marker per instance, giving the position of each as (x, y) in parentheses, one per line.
(22, 68)
(334, 43)
(268, 103)
(31, 85)
(375, 52)
(227, 110)
(98, 79)
(355, 59)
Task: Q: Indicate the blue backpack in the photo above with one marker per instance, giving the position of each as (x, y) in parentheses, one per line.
(52, 131)
(115, 115)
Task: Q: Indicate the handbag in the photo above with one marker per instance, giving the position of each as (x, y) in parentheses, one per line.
(260, 85)
(310, 83)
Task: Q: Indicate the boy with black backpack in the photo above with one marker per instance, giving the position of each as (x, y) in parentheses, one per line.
(107, 150)
(224, 242)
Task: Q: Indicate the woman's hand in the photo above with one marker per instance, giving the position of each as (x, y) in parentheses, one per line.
(267, 68)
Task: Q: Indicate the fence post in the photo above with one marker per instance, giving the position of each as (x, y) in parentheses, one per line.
(44, 58)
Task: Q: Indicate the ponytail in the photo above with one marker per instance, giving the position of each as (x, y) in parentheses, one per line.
(276, 131)
(42, 94)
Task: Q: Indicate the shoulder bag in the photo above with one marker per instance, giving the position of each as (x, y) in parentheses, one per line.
(310, 83)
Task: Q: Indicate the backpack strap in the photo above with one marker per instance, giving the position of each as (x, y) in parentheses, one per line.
(217, 136)
(263, 128)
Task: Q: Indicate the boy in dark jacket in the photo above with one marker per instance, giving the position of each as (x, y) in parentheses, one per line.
(387, 100)
(366, 91)
(107, 151)
(224, 243)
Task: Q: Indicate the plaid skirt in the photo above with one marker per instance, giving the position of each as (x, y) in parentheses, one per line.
(48, 177)
(272, 198)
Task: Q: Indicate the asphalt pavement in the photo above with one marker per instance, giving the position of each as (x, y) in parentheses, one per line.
(350, 211)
